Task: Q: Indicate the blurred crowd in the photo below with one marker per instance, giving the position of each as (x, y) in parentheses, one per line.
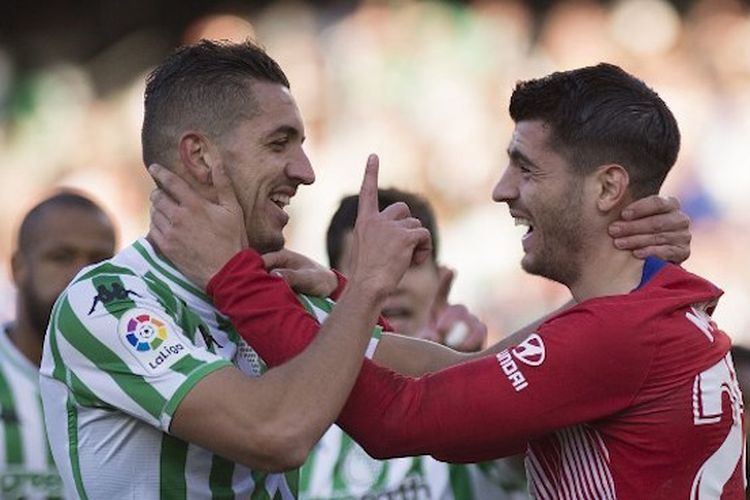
(426, 86)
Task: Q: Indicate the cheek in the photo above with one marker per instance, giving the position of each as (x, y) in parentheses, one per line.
(52, 279)
(424, 284)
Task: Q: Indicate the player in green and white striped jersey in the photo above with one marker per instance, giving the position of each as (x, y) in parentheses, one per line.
(57, 237)
(128, 339)
(148, 391)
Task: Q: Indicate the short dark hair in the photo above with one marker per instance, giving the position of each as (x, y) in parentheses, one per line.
(343, 220)
(63, 199)
(206, 86)
(602, 114)
(740, 355)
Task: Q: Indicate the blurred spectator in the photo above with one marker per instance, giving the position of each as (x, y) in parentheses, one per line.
(57, 238)
(338, 467)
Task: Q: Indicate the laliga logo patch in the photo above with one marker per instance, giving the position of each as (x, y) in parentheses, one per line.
(146, 332)
(147, 337)
(530, 351)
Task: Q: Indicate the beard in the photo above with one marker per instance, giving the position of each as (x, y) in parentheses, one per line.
(37, 309)
(561, 226)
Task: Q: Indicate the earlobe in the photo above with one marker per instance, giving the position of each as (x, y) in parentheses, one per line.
(613, 181)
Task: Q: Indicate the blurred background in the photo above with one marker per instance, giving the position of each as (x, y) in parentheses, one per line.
(424, 84)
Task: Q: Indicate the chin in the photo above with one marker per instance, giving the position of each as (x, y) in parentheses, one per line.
(267, 245)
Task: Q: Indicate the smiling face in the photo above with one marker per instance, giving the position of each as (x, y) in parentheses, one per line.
(264, 159)
(543, 194)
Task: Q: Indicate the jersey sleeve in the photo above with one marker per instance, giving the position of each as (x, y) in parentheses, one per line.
(574, 369)
(116, 344)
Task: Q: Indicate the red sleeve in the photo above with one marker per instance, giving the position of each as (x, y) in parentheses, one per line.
(340, 289)
(574, 370)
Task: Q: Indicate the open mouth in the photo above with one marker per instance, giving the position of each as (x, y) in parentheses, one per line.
(281, 200)
(521, 221)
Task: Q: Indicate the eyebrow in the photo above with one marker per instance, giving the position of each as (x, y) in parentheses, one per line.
(516, 155)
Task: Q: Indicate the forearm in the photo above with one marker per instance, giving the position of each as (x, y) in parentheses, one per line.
(308, 392)
(268, 316)
(415, 357)
(457, 415)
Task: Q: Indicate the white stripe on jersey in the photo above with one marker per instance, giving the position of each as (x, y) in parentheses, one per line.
(581, 470)
(22, 378)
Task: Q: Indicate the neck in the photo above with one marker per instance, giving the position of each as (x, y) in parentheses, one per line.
(607, 271)
(26, 338)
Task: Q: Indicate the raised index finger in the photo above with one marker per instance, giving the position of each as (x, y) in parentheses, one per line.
(368, 193)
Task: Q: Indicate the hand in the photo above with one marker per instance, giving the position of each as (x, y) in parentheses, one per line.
(452, 324)
(197, 235)
(303, 274)
(654, 226)
(384, 244)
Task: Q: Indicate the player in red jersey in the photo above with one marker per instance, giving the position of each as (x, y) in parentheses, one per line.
(630, 393)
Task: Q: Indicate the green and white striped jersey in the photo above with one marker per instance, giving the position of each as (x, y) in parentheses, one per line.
(128, 339)
(340, 469)
(26, 467)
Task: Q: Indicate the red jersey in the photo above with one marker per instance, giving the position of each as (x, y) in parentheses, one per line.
(631, 396)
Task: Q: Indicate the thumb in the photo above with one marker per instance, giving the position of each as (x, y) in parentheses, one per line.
(272, 260)
(445, 283)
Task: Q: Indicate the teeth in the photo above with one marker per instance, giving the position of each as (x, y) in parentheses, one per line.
(281, 200)
(522, 222)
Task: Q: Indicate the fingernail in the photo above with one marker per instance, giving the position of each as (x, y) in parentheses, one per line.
(620, 243)
(627, 214)
(615, 229)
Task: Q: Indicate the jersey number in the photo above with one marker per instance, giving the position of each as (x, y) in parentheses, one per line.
(708, 389)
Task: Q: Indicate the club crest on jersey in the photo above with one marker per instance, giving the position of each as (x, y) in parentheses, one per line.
(530, 351)
(147, 336)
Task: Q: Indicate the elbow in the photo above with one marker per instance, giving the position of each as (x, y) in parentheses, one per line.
(280, 448)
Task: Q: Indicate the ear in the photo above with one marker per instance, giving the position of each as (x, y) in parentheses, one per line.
(18, 268)
(198, 155)
(612, 183)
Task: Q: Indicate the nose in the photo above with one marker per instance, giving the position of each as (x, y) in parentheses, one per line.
(300, 169)
(506, 188)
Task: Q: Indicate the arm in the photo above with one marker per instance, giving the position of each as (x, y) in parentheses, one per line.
(272, 422)
(473, 411)
(416, 357)
(493, 406)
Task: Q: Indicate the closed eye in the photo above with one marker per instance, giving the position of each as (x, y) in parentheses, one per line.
(280, 144)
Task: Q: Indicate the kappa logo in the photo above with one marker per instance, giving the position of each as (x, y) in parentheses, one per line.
(530, 351)
(115, 292)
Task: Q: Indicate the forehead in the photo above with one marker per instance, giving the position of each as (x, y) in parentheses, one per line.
(72, 227)
(275, 107)
(531, 135)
